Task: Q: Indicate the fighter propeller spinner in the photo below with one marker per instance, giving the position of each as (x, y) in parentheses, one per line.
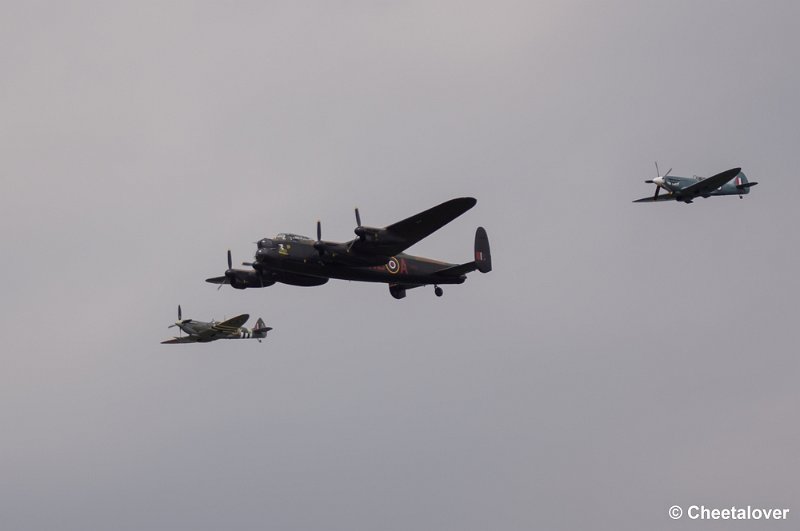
(658, 181)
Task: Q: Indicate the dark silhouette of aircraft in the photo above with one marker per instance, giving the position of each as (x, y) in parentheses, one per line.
(375, 255)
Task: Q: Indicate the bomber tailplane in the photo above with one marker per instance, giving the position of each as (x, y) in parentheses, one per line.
(483, 258)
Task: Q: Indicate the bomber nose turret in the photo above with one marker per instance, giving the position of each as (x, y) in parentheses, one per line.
(262, 253)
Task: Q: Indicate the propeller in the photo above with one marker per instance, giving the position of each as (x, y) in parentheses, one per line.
(360, 230)
(658, 181)
(318, 245)
(228, 272)
(180, 318)
(364, 234)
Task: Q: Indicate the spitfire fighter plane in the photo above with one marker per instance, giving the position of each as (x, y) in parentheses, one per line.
(686, 189)
(375, 255)
(201, 332)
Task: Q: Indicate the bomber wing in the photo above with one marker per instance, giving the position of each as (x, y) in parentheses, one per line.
(399, 236)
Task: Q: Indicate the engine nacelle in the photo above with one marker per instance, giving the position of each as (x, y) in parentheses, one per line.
(398, 292)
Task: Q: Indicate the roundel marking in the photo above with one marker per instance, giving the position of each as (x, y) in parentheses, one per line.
(393, 266)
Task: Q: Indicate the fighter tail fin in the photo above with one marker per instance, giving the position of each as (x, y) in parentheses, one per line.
(742, 184)
(261, 328)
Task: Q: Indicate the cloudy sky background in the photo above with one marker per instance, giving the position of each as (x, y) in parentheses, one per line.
(620, 358)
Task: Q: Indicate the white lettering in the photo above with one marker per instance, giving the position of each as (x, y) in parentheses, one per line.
(701, 512)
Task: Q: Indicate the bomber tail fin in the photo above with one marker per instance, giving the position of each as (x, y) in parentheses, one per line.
(482, 262)
(483, 255)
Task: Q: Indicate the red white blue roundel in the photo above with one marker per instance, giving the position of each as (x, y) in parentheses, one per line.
(393, 266)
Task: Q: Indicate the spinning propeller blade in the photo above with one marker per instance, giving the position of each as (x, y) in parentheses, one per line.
(660, 181)
(180, 318)
(227, 272)
(357, 230)
(318, 245)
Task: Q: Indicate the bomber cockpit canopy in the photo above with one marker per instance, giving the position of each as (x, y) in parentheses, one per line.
(288, 237)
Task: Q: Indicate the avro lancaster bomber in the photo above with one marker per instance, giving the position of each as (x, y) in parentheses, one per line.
(375, 255)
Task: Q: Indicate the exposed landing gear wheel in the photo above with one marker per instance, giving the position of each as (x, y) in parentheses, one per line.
(438, 291)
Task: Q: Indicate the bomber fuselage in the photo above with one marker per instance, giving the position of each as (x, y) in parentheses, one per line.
(301, 257)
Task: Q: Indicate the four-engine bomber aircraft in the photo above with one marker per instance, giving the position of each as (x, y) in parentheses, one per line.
(375, 255)
(686, 189)
(201, 332)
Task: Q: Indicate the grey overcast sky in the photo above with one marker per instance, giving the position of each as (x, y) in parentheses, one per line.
(620, 358)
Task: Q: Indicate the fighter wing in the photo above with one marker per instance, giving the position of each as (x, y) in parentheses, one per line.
(175, 340)
(651, 199)
(232, 324)
(400, 236)
(706, 186)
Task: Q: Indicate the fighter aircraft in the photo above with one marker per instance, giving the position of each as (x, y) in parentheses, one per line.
(375, 255)
(201, 332)
(686, 189)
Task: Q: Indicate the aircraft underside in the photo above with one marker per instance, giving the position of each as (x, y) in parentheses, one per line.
(378, 274)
